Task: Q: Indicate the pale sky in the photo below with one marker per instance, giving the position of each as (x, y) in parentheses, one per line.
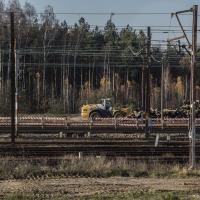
(124, 6)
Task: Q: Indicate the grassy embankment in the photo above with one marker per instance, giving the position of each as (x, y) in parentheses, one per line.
(90, 167)
(96, 167)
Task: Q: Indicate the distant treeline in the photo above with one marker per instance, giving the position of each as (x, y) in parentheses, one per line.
(61, 66)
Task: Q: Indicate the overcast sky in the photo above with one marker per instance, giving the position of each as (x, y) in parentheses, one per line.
(124, 6)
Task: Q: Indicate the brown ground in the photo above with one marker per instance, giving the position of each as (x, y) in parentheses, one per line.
(72, 187)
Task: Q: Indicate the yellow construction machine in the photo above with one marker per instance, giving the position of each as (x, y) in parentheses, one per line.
(102, 110)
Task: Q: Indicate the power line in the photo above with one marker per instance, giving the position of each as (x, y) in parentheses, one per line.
(95, 13)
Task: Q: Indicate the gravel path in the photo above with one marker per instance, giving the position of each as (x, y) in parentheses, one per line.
(72, 187)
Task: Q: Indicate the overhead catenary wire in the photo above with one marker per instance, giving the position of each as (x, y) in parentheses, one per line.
(97, 13)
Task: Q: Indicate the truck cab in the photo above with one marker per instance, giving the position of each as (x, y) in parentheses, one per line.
(107, 104)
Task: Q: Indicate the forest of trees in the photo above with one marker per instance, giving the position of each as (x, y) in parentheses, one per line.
(62, 66)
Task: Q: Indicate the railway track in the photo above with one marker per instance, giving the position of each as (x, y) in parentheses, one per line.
(173, 150)
(94, 141)
(137, 150)
(52, 125)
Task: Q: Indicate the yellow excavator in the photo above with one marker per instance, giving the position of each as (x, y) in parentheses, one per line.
(102, 110)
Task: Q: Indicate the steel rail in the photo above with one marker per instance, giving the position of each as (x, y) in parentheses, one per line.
(38, 124)
(108, 150)
(138, 150)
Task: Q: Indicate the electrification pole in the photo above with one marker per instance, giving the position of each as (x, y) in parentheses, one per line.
(143, 88)
(162, 92)
(193, 88)
(147, 83)
(13, 79)
(192, 52)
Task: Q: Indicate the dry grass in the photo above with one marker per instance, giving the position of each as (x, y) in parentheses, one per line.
(89, 167)
(71, 166)
(137, 195)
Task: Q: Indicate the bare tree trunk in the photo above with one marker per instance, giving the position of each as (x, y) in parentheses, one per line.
(108, 68)
(113, 80)
(67, 84)
(67, 95)
(127, 85)
(89, 80)
(81, 83)
(29, 88)
(44, 67)
(74, 84)
(1, 76)
(74, 73)
(166, 84)
(93, 67)
(104, 74)
(62, 85)
(63, 78)
(52, 92)
(187, 87)
(142, 89)
(38, 89)
(53, 86)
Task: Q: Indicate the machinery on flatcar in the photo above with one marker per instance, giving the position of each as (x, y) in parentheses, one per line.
(105, 110)
(102, 110)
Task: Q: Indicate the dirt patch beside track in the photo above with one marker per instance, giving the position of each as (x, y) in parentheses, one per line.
(73, 187)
